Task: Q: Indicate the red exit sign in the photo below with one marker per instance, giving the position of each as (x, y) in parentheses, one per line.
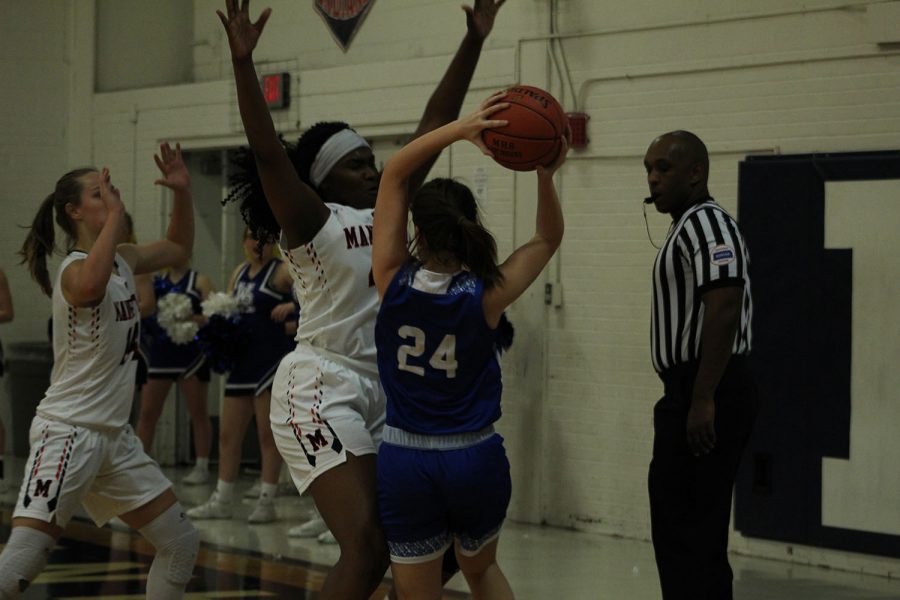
(276, 90)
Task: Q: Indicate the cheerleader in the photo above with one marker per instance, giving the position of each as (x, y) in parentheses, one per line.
(262, 287)
(178, 361)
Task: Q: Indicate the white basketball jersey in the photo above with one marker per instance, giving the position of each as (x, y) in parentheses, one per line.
(92, 382)
(333, 283)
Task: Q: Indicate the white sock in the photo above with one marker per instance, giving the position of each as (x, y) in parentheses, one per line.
(225, 491)
(267, 491)
(202, 463)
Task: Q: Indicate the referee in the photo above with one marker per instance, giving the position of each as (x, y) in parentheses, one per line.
(700, 338)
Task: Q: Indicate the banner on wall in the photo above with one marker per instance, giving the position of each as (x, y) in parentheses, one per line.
(821, 466)
(343, 18)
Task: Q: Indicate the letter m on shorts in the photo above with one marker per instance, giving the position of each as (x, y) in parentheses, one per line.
(42, 488)
(317, 440)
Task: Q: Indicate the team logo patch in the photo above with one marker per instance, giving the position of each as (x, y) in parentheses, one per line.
(343, 18)
(721, 255)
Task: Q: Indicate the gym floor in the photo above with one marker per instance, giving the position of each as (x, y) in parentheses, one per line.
(260, 561)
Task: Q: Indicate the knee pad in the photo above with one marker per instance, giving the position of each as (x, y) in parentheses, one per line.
(176, 542)
(23, 559)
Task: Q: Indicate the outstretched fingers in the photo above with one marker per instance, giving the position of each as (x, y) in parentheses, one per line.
(262, 20)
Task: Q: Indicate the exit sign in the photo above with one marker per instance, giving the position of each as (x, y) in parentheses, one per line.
(277, 90)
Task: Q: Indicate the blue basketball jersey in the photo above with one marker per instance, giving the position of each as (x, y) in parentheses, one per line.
(437, 357)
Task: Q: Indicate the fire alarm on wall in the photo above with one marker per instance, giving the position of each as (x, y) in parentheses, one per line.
(276, 90)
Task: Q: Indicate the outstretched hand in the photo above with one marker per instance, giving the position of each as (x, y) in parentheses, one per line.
(175, 175)
(242, 33)
(480, 18)
(472, 125)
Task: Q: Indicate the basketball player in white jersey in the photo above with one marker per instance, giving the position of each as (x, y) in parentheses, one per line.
(327, 404)
(83, 452)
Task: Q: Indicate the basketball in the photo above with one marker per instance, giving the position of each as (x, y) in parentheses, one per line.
(532, 137)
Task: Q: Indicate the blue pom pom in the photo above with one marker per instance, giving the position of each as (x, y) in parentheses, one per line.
(221, 340)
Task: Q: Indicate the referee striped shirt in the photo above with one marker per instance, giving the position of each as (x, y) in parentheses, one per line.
(704, 250)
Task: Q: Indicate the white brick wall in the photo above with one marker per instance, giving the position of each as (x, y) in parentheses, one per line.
(780, 75)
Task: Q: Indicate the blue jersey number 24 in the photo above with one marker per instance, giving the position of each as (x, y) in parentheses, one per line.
(443, 359)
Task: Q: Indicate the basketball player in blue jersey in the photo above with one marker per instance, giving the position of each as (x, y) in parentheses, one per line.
(327, 403)
(184, 363)
(262, 286)
(443, 476)
(83, 452)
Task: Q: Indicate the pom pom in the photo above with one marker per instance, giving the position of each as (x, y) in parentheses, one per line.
(221, 340)
(224, 335)
(175, 315)
(220, 304)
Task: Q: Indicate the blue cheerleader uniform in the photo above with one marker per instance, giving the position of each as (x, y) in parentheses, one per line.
(255, 363)
(167, 359)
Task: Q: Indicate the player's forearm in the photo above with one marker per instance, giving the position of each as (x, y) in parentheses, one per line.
(549, 222)
(255, 116)
(98, 266)
(413, 155)
(181, 223)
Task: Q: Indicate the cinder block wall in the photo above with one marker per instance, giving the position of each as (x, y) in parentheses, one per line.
(772, 76)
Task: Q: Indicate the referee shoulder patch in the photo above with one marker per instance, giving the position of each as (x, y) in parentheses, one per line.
(721, 255)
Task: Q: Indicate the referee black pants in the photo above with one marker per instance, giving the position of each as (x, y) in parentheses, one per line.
(690, 497)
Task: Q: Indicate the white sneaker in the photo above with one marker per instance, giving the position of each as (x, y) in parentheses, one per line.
(312, 528)
(263, 512)
(212, 509)
(254, 490)
(327, 538)
(197, 476)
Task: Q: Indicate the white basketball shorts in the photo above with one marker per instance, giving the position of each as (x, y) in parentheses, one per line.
(322, 408)
(107, 472)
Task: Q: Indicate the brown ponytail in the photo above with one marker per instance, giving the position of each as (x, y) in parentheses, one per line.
(446, 215)
(40, 242)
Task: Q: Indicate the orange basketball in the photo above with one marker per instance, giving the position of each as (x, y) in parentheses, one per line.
(532, 137)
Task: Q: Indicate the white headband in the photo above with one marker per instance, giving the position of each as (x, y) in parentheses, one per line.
(334, 149)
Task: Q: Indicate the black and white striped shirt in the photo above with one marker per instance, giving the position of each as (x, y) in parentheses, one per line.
(704, 250)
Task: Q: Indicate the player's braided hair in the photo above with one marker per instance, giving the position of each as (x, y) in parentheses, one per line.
(246, 187)
(246, 190)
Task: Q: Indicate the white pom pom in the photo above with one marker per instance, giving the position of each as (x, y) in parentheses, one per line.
(174, 314)
(221, 304)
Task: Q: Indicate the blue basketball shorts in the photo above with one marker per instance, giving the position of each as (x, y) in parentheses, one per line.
(426, 498)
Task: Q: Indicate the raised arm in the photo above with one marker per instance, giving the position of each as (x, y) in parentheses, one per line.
(297, 208)
(448, 96)
(84, 281)
(389, 249)
(178, 244)
(527, 261)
